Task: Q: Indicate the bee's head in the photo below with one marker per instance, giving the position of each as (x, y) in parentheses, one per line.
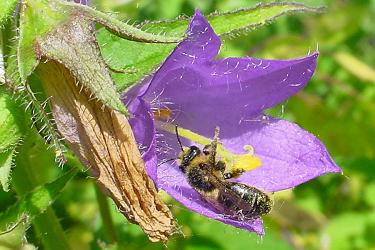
(187, 156)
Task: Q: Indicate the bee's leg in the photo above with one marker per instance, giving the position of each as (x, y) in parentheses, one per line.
(234, 173)
(213, 146)
(220, 166)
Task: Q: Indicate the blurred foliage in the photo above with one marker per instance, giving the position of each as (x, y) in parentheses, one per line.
(332, 212)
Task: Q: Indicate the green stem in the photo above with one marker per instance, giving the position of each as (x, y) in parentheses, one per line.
(4, 49)
(120, 28)
(46, 225)
(105, 213)
(2, 61)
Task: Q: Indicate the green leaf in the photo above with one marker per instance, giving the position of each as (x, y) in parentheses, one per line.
(144, 58)
(11, 121)
(13, 237)
(34, 203)
(6, 9)
(41, 119)
(40, 17)
(122, 54)
(52, 30)
(2, 70)
(37, 19)
(122, 29)
(5, 168)
(11, 132)
(74, 47)
(235, 21)
(34, 167)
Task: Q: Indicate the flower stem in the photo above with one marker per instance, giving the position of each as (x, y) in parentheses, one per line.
(46, 225)
(105, 213)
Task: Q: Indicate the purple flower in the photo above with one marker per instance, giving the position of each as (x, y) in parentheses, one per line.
(83, 2)
(199, 92)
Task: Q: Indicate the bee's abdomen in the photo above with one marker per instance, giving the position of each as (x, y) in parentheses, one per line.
(197, 178)
(244, 201)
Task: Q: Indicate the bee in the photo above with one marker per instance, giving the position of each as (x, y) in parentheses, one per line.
(212, 180)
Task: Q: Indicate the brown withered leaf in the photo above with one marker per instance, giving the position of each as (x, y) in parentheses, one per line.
(105, 143)
(100, 135)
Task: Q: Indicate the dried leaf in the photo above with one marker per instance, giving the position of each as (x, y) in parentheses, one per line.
(103, 139)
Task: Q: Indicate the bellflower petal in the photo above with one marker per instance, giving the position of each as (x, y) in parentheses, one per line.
(203, 88)
(144, 131)
(290, 155)
(202, 92)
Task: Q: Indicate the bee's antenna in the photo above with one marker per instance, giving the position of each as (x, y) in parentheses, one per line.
(178, 138)
(165, 161)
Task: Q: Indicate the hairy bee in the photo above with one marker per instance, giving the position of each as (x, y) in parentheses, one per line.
(211, 179)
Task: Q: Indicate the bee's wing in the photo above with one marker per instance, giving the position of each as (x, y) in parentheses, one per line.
(240, 200)
(224, 187)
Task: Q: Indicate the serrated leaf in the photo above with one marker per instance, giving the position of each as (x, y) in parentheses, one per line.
(235, 21)
(11, 122)
(122, 29)
(11, 131)
(5, 168)
(122, 54)
(11, 73)
(143, 58)
(2, 70)
(42, 21)
(37, 19)
(247, 19)
(14, 236)
(34, 203)
(74, 46)
(6, 9)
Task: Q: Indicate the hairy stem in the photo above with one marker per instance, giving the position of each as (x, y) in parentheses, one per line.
(46, 225)
(120, 28)
(105, 213)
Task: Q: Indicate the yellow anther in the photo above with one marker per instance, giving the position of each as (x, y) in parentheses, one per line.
(246, 161)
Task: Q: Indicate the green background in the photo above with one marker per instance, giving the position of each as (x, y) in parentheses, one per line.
(332, 212)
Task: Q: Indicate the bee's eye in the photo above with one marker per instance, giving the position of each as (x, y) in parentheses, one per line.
(194, 148)
(207, 149)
